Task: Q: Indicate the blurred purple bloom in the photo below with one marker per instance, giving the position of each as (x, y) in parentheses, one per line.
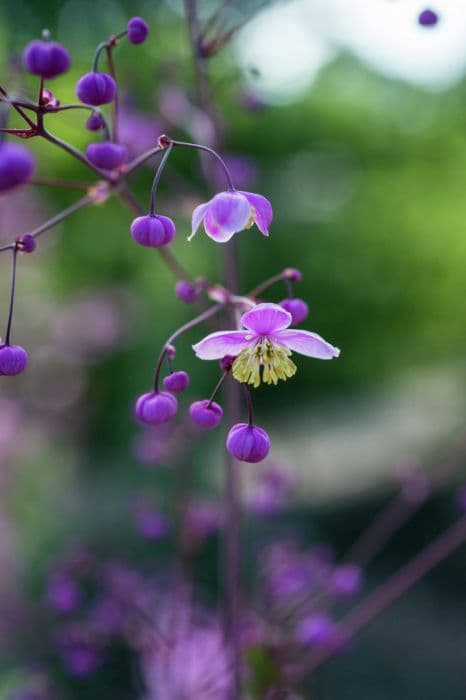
(266, 345)
(346, 581)
(150, 524)
(137, 131)
(243, 170)
(318, 630)
(230, 212)
(63, 593)
(271, 491)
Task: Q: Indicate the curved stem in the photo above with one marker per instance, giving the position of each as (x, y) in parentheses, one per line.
(142, 159)
(83, 202)
(115, 101)
(199, 147)
(89, 108)
(182, 329)
(266, 284)
(156, 181)
(12, 296)
(217, 387)
(72, 151)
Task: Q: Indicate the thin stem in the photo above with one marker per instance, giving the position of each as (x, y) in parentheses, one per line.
(430, 557)
(89, 108)
(72, 151)
(12, 296)
(217, 387)
(142, 159)
(247, 392)
(100, 47)
(9, 246)
(115, 102)
(266, 284)
(18, 109)
(182, 329)
(83, 202)
(158, 174)
(55, 182)
(199, 147)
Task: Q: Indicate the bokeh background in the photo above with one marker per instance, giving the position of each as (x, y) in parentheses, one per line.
(349, 116)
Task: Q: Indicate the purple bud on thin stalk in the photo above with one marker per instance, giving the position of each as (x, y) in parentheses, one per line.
(95, 122)
(226, 363)
(137, 30)
(298, 309)
(292, 274)
(13, 360)
(17, 164)
(96, 88)
(26, 243)
(186, 291)
(428, 18)
(248, 443)
(153, 231)
(106, 155)
(206, 414)
(154, 407)
(46, 59)
(176, 381)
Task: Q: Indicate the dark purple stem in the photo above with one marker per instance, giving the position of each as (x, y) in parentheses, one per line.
(217, 388)
(12, 295)
(158, 174)
(199, 147)
(247, 392)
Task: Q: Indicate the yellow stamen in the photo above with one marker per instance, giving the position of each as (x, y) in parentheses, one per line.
(252, 219)
(274, 360)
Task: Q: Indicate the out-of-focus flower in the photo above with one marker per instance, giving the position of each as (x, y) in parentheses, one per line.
(137, 131)
(151, 524)
(266, 344)
(137, 30)
(200, 518)
(346, 581)
(271, 491)
(230, 212)
(46, 58)
(80, 650)
(428, 18)
(17, 165)
(318, 630)
(63, 593)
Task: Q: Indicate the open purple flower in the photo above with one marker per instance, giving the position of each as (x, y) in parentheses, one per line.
(266, 343)
(230, 212)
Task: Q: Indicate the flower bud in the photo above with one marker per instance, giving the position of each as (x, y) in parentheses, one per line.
(292, 274)
(176, 382)
(137, 30)
(428, 18)
(298, 309)
(96, 88)
(95, 122)
(248, 443)
(106, 155)
(318, 630)
(17, 165)
(27, 243)
(46, 58)
(206, 414)
(186, 291)
(226, 363)
(153, 231)
(13, 360)
(156, 407)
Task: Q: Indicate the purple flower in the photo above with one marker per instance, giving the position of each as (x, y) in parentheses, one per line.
(27, 243)
(346, 581)
(298, 309)
(107, 155)
(266, 343)
(186, 291)
(317, 630)
(153, 231)
(17, 165)
(63, 594)
(13, 360)
(46, 58)
(150, 524)
(176, 382)
(230, 212)
(137, 30)
(248, 443)
(94, 122)
(206, 414)
(428, 18)
(271, 491)
(96, 88)
(154, 407)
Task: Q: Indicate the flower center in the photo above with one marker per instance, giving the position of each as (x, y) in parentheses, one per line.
(252, 219)
(274, 360)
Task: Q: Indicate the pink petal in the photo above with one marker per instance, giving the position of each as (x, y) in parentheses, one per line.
(264, 211)
(214, 231)
(266, 318)
(231, 211)
(217, 345)
(198, 215)
(306, 343)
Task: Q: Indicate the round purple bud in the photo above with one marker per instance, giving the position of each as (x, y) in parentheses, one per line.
(107, 155)
(17, 164)
(346, 581)
(428, 18)
(26, 243)
(298, 309)
(206, 414)
(156, 407)
(317, 630)
(13, 360)
(46, 58)
(293, 274)
(96, 88)
(248, 443)
(186, 291)
(137, 30)
(226, 363)
(153, 231)
(95, 122)
(176, 382)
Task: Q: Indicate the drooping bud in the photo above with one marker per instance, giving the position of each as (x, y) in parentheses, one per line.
(153, 231)
(46, 59)
(428, 18)
(186, 291)
(176, 382)
(137, 30)
(155, 408)
(96, 88)
(248, 443)
(17, 164)
(298, 309)
(206, 414)
(107, 155)
(13, 360)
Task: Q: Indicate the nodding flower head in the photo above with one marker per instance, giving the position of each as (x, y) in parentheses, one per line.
(176, 381)
(153, 231)
(46, 58)
(248, 443)
(206, 414)
(106, 155)
(137, 30)
(13, 360)
(428, 18)
(266, 345)
(156, 407)
(230, 212)
(186, 291)
(17, 165)
(94, 122)
(298, 309)
(96, 88)
(26, 243)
